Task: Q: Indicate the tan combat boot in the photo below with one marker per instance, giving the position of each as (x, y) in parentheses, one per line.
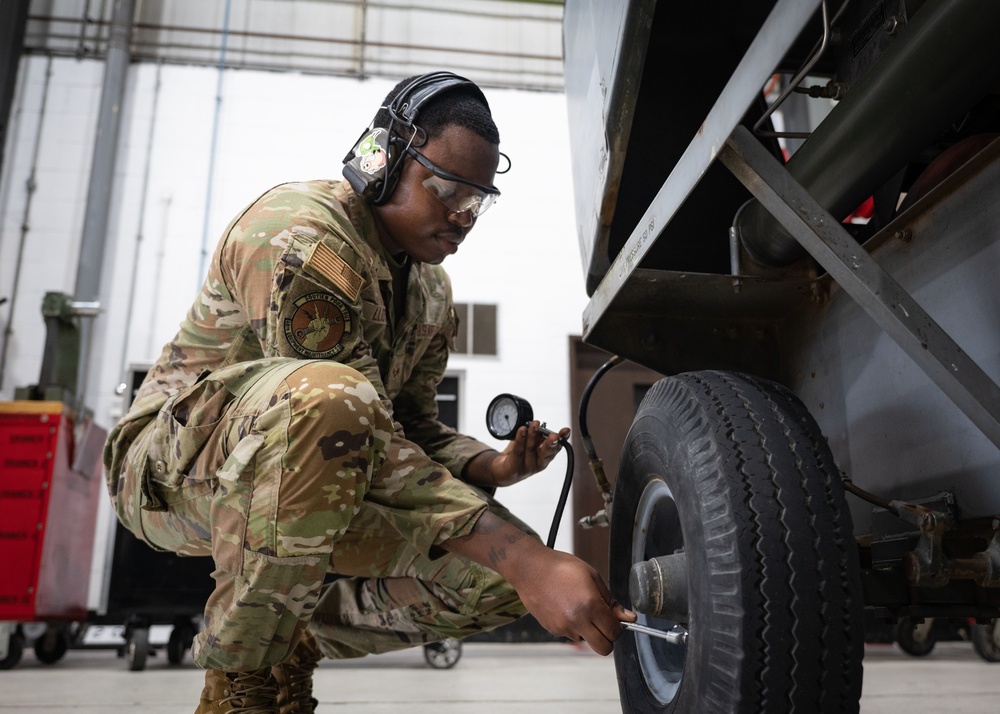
(295, 678)
(239, 693)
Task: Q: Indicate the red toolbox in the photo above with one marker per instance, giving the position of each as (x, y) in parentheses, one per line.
(50, 487)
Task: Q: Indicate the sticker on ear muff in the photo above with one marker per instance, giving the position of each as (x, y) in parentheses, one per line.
(366, 166)
(372, 154)
(317, 325)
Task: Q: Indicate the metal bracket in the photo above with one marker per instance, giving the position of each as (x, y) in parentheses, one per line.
(926, 565)
(847, 262)
(987, 562)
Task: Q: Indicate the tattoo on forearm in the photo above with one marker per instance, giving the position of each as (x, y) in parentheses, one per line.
(498, 532)
(496, 555)
(514, 537)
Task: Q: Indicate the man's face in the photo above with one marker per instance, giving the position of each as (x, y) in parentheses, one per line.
(414, 220)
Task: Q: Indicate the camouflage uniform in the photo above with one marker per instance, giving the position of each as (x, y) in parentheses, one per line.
(290, 430)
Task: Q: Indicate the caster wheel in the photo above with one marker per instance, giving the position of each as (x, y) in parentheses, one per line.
(181, 638)
(137, 649)
(444, 654)
(986, 640)
(916, 638)
(52, 646)
(15, 649)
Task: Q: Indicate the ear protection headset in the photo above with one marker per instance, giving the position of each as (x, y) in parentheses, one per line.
(372, 167)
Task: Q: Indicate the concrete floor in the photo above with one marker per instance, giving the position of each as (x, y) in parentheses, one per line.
(493, 678)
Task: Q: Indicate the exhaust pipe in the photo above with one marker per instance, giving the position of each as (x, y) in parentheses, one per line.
(943, 62)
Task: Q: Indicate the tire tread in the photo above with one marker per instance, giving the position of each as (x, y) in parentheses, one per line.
(767, 494)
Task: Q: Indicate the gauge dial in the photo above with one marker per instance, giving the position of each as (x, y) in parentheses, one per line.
(505, 414)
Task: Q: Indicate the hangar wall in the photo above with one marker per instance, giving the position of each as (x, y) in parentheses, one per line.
(272, 127)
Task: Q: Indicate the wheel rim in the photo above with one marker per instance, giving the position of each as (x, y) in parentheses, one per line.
(443, 654)
(922, 631)
(656, 531)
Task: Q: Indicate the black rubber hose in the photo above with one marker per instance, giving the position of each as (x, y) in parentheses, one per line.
(561, 505)
(588, 445)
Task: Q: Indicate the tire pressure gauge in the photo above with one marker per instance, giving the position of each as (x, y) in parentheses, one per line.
(506, 414)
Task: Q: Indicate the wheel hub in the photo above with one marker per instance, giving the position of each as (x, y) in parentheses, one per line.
(656, 532)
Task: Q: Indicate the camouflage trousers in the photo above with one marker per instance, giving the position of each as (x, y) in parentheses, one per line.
(399, 597)
(278, 470)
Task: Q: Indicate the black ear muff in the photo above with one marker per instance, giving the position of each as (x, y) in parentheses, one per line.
(372, 167)
(368, 163)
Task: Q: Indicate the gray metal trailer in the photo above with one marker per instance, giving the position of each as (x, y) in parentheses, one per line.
(824, 446)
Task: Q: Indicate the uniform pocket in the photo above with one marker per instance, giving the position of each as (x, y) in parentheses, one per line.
(231, 505)
(183, 427)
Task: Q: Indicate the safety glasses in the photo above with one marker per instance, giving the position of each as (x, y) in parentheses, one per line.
(458, 194)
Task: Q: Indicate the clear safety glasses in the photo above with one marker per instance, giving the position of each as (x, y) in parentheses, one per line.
(458, 194)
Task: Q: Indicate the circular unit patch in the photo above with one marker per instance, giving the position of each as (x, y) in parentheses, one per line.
(317, 325)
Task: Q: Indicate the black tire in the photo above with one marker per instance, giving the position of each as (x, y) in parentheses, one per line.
(15, 650)
(181, 637)
(52, 646)
(986, 640)
(138, 649)
(444, 654)
(916, 638)
(733, 470)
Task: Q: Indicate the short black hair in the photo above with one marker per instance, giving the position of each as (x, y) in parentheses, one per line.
(461, 105)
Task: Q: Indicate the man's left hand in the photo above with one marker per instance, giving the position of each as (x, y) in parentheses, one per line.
(529, 452)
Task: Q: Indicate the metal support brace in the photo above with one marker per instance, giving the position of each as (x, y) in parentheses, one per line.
(885, 301)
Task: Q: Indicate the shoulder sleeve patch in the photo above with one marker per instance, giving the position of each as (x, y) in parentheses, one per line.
(325, 263)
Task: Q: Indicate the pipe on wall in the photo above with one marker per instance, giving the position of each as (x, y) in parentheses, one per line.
(139, 237)
(94, 239)
(212, 152)
(13, 19)
(30, 187)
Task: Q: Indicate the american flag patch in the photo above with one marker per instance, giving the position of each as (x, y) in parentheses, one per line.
(331, 266)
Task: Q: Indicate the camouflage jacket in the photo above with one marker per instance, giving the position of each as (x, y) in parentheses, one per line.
(301, 273)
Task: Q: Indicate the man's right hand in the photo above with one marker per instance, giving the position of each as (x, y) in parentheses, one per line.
(569, 598)
(566, 595)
